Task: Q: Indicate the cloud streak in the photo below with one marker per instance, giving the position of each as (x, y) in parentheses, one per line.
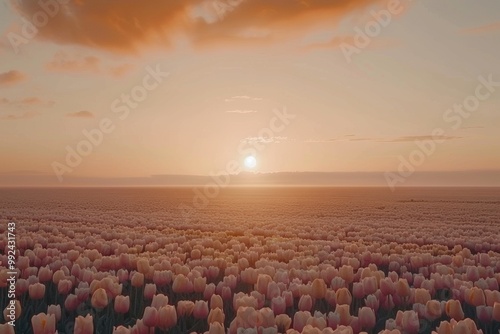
(81, 114)
(12, 77)
(239, 111)
(401, 139)
(28, 101)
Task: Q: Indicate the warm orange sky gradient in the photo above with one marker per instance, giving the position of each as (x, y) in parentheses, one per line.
(214, 76)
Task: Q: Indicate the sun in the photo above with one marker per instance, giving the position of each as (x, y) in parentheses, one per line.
(250, 162)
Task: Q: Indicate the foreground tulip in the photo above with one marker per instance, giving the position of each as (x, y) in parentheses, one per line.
(475, 297)
(432, 310)
(37, 291)
(343, 296)
(167, 317)
(6, 329)
(216, 314)
(367, 318)
(185, 308)
(318, 288)
(283, 321)
(150, 317)
(496, 312)
(55, 310)
(216, 328)
(43, 323)
(454, 310)
(84, 325)
(99, 299)
(122, 304)
(200, 310)
(409, 322)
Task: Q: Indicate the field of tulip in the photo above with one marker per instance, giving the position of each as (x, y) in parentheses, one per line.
(254, 260)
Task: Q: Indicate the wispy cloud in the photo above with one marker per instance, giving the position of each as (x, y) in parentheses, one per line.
(484, 29)
(243, 97)
(80, 114)
(353, 138)
(63, 62)
(239, 111)
(24, 115)
(71, 63)
(27, 101)
(12, 77)
(265, 140)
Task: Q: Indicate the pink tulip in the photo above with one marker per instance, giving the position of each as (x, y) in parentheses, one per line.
(216, 315)
(167, 317)
(149, 291)
(137, 280)
(367, 318)
(343, 296)
(6, 329)
(409, 322)
(99, 299)
(71, 303)
(200, 310)
(84, 325)
(122, 304)
(318, 288)
(150, 316)
(484, 313)
(159, 301)
(43, 323)
(495, 314)
(278, 305)
(305, 303)
(37, 291)
(185, 308)
(358, 291)
(372, 302)
(55, 310)
(432, 310)
(300, 320)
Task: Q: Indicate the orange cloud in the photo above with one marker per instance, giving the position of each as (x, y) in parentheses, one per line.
(12, 77)
(27, 101)
(483, 29)
(62, 62)
(25, 115)
(81, 114)
(126, 25)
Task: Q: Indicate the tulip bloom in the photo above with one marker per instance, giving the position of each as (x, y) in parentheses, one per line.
(37, 291)
(367, 318)
(84, 325)
(200, 310)
(99, 299)
(216, 315)
(43, 323)
(122, 304)
(167, 317)
(454, 310)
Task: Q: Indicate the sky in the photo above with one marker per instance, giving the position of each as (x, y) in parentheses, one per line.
(133, 89)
